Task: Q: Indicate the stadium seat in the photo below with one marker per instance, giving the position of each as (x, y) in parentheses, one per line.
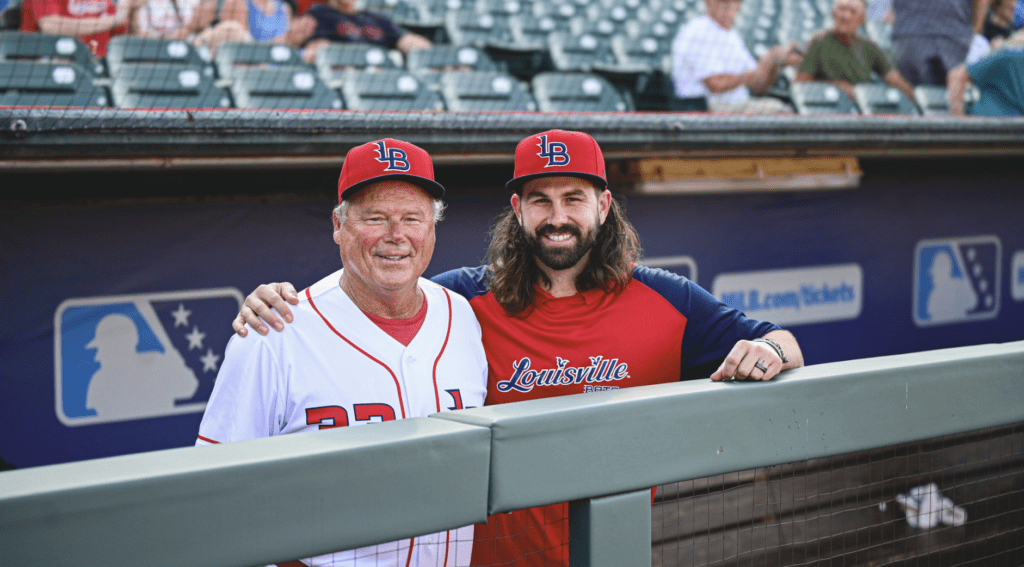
(282, 87)
(875, 98)
(570, 52)
(502, 8)
(934, 101)
(18, 46)
(531, 32)
(479, 30)
(393, 89)
(398, 11)
(561, 12)
(603, 28)
(132, 50)
(433, 12)
(235, 55)
(333, 60)
(485, 91)
(660, 31)
(576, 92)
(641, 52)
(820, 98)
(165, 86)
(29, 83)
(428, 64)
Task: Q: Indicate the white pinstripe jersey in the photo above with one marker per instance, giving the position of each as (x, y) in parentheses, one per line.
(333, 367)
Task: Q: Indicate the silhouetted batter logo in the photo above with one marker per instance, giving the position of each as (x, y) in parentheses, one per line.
(956, 280)
(139, 356)
(396, 158)
(555, 152)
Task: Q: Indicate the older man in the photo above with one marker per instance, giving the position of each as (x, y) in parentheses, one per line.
(371, 343)
(566, 310)
(842, 58)
(710, 62)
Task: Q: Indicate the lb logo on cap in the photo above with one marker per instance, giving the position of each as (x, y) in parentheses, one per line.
(396, 158)
(556, 153)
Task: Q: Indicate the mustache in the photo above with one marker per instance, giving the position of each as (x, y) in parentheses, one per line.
(549, 228)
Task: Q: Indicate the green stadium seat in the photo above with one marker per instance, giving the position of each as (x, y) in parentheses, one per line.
(571, 52)
(166, 86)
(235, 55)
(640, 52)
(391, 89)
(576, 92)
(820, 98)
(28, 83)
(874, 98)
(561, 12)
(282, 87)
(126, 50)
(333, 60)
(485, 91)
(479, 30)
(502, 8)
(19, 46)
(531, 32)
(428, 64)
(934, 101)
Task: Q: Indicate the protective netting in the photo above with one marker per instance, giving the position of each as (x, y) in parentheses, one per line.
(427, 55)
(955, 500)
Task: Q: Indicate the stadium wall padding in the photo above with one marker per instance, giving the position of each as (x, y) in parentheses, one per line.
(853, 273)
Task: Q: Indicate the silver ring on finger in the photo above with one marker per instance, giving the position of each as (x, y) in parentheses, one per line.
(760, 366)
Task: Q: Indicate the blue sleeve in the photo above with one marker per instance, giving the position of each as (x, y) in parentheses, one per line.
(467, 282)
(712, 327)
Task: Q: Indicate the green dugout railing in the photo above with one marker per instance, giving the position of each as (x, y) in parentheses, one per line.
(276, 499)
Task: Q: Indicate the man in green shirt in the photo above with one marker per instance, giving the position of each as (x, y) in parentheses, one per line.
(839, 57)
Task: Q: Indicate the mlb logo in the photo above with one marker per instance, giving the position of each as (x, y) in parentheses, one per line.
(684, 266)
(956, 280)
(129, 357)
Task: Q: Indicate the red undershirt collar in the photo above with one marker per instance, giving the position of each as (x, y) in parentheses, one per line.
(402, 330)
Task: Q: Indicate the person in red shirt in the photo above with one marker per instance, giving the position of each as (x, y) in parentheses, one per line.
(93, 21)
(565, 309)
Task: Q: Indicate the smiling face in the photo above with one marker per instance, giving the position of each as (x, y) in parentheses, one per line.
(561, 216)
(386, 239)
(848, 16)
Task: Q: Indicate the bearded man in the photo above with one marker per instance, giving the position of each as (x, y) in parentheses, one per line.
(564, 309)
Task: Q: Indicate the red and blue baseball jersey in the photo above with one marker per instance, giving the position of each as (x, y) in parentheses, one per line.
(335, 367)
(661, 328)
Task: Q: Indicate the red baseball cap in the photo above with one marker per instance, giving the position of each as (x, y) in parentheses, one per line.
(558, 152)
(387, 159)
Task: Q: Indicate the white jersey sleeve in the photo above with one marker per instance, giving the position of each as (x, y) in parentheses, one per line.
(247, 401)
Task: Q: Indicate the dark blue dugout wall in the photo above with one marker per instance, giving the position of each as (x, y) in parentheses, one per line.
(174, 271)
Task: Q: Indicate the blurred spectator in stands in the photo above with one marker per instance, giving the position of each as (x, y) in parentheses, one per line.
(1003, 18)
(711, 65)
(930, 37)
(999, 78)
(93, 21)
(269, 20)
(172, 19)
(880, 11)
(339, 20)
(840, 57)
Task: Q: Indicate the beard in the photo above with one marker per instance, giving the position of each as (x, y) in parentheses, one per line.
(561, 258)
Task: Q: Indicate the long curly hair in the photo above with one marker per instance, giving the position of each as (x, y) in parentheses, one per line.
(512, 265)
